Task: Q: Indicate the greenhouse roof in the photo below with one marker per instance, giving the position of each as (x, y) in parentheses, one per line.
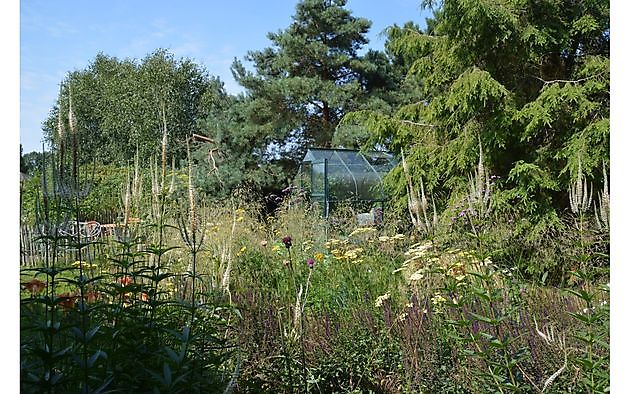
(380, 162)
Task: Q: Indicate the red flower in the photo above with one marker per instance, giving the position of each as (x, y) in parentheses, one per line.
(91, 296)
(125, 280)
(68, 301)
(144, 297)
(35, 286)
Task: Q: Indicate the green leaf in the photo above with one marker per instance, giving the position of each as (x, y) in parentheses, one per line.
(482, 318)
(586, 318)
(583, 294)
(166, 371)
(95, 356)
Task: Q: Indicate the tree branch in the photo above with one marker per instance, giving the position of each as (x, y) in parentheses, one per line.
(568, 80)
(415, 123)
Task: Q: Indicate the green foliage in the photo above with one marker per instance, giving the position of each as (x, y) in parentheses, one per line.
(119, 105)
(526, 83)
(593, 336)
(379, 311)
(500, 108)
(115, 329)
(310, 77)
(105, 185)
(237, 156)
(30, 163)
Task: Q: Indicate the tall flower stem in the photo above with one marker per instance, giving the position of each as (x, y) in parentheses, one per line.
(77, 212)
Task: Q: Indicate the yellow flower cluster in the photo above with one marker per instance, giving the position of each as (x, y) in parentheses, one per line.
(437, 301)
(457, 263)
(84, 264)
(335, 242)
(418, 250)
(307, 245)
(212, 228)
(342, 250)
(240, 212)
(352, 255)
(393, 238)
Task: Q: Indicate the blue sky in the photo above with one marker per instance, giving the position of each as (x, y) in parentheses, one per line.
(60, 36)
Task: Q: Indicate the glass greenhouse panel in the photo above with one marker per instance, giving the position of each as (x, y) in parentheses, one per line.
(342, 174)
(317, 180)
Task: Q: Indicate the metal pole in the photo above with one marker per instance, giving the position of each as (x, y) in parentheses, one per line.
(326, 208)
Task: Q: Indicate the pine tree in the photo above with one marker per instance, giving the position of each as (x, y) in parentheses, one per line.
(309, 78)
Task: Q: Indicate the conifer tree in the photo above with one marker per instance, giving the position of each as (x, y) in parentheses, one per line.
(309, 78)
(528, 80)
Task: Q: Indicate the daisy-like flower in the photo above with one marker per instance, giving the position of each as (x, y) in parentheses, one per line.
(418, 275)
(379, 300)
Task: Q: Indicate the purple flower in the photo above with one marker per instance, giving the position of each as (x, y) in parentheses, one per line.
(287, 241)
(310, 263)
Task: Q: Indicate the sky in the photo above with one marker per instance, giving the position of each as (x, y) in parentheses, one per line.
(57, 37)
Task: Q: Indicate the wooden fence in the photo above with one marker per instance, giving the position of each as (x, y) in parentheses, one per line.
(34, 250)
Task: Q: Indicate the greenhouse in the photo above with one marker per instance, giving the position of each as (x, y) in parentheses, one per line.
(333, 175)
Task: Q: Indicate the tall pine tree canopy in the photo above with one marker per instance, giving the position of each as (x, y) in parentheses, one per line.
(526, 80)
(311, 76)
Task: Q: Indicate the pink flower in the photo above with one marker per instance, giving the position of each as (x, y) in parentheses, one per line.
(310, 263)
